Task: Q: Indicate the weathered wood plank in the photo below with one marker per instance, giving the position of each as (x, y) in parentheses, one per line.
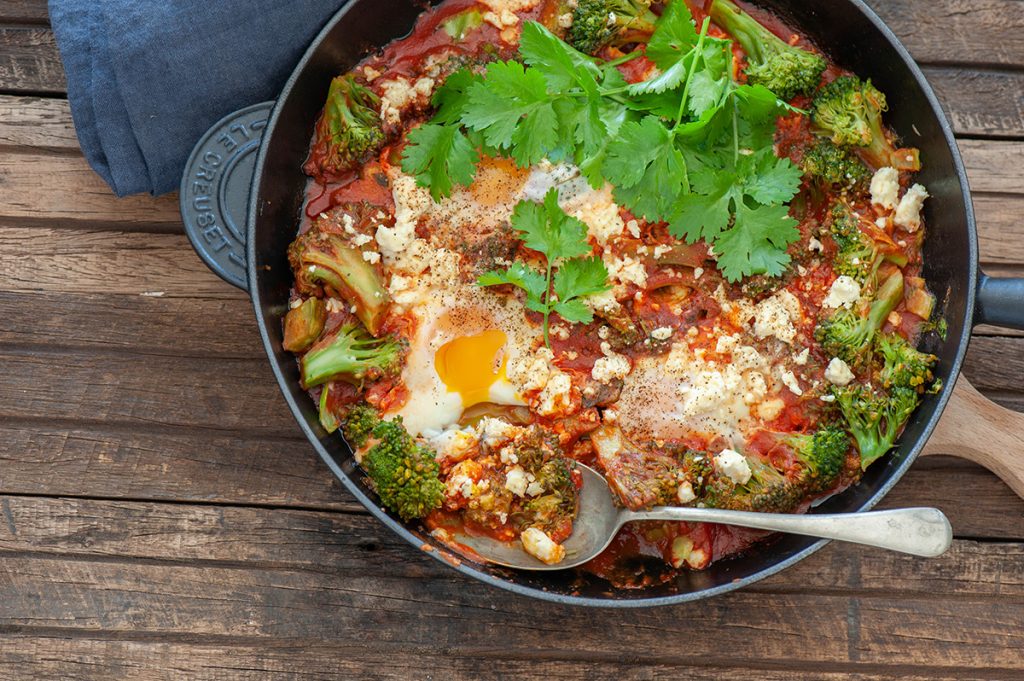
(416, 604)
(948, 31)
(23, 12)
(220, 393)
(996, 364)
(45, 657)
(29, 61)
(66, 188)
(37, 123)
(212, 327)
(188, 535)
(99, 261)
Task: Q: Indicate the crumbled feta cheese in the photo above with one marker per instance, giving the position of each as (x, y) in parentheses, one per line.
(556, 394)
(734, 465)
(800, 358)
(611, 367)
(361, 239)
(815, 245)
(297, 303)
(534, 489)
(662, 333)
(627, 270)
(698, 272)
(494, 432)
(661, 250)
(559, 331)
(885, 188)
(789, 380)
(685, 493)
(774, 317)
(908, 214)
(399, 93)
(845, 292)
(335, 305)
(372, 257)
(516, 482)
(603, 302)
(531, 372)
(565, 20)
(633, 227)
(347, 223)
(827, 398)
(539, 545)
(838, 373)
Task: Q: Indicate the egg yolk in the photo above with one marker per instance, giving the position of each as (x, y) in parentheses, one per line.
(471, 364)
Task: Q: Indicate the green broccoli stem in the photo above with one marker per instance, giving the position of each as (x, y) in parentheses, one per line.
(888, 297)
(756, 40)
(349, 355)
(343, 269)
(304, 324)
(328, 419)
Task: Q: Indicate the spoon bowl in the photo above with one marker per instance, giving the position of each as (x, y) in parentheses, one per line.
(917, 531)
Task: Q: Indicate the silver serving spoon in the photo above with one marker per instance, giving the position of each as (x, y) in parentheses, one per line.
(917, 531)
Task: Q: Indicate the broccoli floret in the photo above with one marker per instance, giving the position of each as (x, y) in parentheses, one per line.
(875, 418)
(849, 111)
(405, 474)
(599, 23)
(848, 335)
(304, 324)
(359, 425)
(904, 366)
(350, 354)
(821, 455)
(834, 167)
(859, 255)
(349, 129)
(768, 491)
(325, 261)
(784, 69)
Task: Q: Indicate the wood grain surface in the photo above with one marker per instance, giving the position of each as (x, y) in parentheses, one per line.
(161, 516)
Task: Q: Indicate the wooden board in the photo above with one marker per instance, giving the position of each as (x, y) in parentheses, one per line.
(161, 516)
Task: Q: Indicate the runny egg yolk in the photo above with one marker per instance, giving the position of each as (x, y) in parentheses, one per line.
(470, 365)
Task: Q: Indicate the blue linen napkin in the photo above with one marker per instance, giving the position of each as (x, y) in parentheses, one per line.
(146, 78)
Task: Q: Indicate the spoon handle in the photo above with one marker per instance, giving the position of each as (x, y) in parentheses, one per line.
(917, 531)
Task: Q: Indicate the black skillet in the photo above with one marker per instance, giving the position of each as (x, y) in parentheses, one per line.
(242, 207)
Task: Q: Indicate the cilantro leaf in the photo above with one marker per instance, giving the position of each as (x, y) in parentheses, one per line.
(562, 66)
(581, 277)
(512, 108)
(440, 156)
(561, 239)
(674, 36)
(771, 180)
(646, 168)
(547, 229)
(757, 243)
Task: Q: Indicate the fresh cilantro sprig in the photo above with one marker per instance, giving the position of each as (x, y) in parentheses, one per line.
(569, 274)
(689, 146)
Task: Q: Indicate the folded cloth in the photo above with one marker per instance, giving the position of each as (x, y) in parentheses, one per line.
(146, 78)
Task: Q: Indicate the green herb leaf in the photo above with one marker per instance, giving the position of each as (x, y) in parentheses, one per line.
(757, 243)
(440, 156)
(548, 230)
(674, 36)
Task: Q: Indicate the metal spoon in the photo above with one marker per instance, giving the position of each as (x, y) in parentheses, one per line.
(917, 531)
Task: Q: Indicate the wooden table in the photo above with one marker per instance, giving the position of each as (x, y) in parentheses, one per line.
(162, 516)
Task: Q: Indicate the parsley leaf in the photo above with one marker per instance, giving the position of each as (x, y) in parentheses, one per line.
(757, 243)
(440, 156)
(674, 36)
(562, 240)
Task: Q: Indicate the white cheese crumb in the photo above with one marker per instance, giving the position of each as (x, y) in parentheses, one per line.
(295, 303)
(516, 482)
(838, 373)
(885, 188)
(540, 546)
(827, 398)
(531, 372)
(908, 214)
(662, 333)
(698, 272)
(774, 317)
(815, 245)
(335, 305)
(555, 396)
(845, 292)
(685, 493)
(800, 358)
(361, 239)
(633, 227)
(789, 380)
(372, 257)
(661, 250)
(611, 367)
(734, 465)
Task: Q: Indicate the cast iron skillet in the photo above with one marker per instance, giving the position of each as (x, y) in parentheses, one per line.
(215, 192)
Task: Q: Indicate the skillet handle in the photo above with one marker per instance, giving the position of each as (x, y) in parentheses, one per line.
(1000, 302)
(215, 189)
(979, 430)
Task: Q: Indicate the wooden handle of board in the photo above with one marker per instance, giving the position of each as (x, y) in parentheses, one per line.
(979, 430)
